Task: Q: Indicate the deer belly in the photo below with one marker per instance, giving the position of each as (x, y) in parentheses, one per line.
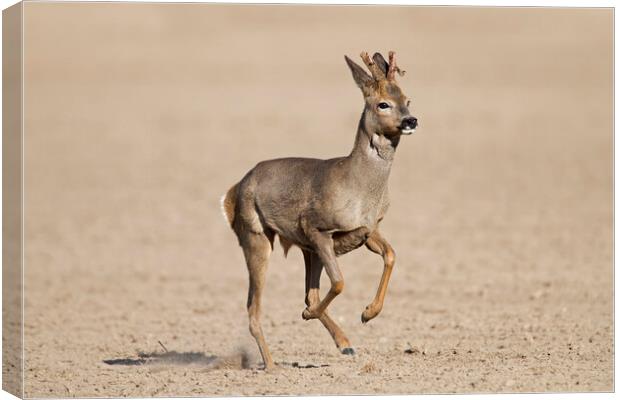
(345, 242)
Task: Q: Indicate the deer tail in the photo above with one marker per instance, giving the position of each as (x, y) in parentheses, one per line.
(228, 202)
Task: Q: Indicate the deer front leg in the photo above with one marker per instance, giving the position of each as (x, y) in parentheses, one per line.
(324, 248)
(377, 244)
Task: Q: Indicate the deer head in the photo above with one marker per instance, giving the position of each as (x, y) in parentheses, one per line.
(386, 111)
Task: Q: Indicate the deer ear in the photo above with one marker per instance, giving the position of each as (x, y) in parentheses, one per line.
(361, 77)
(381, 63)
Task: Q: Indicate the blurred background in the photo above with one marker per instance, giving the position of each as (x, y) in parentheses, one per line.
(138, 117)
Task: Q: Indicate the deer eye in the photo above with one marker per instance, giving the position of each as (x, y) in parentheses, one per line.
(383, 105)
(408, 103)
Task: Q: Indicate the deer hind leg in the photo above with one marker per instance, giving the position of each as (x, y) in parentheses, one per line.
(377, 244)
(256, 249)
(314, 268)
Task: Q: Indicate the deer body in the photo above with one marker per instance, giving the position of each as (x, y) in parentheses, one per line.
(335, 195)
(325, 207)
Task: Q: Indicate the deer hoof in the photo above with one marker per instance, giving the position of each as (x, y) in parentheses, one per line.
(271, 368)
(368, 314)
(349, 351)
(307, 314)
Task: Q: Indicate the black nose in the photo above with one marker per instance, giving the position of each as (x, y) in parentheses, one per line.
(409, 123)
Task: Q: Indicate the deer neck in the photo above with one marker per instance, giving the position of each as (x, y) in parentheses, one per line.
(372, 150)
(370, 162)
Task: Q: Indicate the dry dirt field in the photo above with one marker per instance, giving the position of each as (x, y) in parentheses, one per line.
(139, 117)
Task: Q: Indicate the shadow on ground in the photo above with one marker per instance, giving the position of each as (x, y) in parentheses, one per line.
(240, 360)
(169, 357)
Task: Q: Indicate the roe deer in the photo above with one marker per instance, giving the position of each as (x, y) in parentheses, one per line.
(325, 207)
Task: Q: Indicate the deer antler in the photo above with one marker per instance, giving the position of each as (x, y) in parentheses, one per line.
(374, 68)
(392, 67)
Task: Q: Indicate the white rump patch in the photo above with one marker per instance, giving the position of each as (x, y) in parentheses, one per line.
(222, 208)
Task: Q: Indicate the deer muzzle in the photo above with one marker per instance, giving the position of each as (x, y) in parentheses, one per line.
(408, 125)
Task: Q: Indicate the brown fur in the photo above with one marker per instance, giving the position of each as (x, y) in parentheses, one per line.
(228, 204)
(325, 207)
(286, 244)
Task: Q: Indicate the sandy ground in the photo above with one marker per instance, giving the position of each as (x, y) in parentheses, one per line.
(138, 117)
